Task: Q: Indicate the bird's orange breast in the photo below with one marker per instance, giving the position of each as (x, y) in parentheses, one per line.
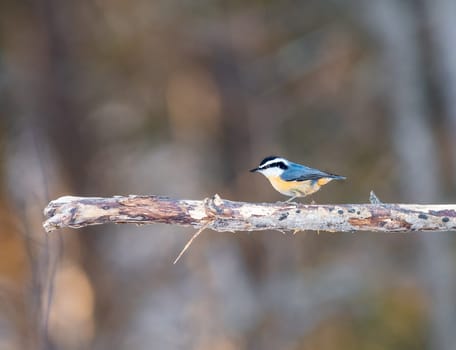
(294, 188)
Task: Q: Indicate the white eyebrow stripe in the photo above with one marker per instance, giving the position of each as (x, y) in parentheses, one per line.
(275, 160)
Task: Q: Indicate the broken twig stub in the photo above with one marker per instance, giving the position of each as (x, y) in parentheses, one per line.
(223, 215)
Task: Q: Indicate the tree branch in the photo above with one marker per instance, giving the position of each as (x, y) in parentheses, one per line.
(223, 215)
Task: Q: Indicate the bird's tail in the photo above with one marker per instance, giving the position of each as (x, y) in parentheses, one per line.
(337, 177)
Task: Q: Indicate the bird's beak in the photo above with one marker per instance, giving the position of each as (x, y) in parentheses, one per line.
(254, 170)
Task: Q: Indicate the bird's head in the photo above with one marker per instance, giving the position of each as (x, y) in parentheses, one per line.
(272, 166)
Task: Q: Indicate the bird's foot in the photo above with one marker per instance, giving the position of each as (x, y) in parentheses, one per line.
(290, 199)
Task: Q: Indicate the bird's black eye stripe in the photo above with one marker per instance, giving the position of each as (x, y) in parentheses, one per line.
(280, 165)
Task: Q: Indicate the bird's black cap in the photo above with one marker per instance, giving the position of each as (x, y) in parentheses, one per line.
(265, 160)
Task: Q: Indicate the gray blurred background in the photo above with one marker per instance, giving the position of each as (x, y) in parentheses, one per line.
(181, 98)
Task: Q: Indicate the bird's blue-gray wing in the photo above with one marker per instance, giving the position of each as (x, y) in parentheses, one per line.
(303, 173)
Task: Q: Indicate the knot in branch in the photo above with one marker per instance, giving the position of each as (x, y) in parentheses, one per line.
(215, 207)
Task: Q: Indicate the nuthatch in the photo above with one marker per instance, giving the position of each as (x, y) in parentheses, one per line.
(292, 179)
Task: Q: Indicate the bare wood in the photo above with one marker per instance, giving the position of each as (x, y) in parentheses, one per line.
(223, 215)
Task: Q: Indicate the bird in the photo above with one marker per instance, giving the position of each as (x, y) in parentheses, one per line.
(293, 179)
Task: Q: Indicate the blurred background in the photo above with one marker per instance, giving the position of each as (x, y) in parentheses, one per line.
(181, 98)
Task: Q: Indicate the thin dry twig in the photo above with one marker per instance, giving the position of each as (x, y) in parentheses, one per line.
(190, 242)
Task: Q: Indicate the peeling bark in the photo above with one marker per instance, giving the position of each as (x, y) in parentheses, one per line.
(223, 215)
